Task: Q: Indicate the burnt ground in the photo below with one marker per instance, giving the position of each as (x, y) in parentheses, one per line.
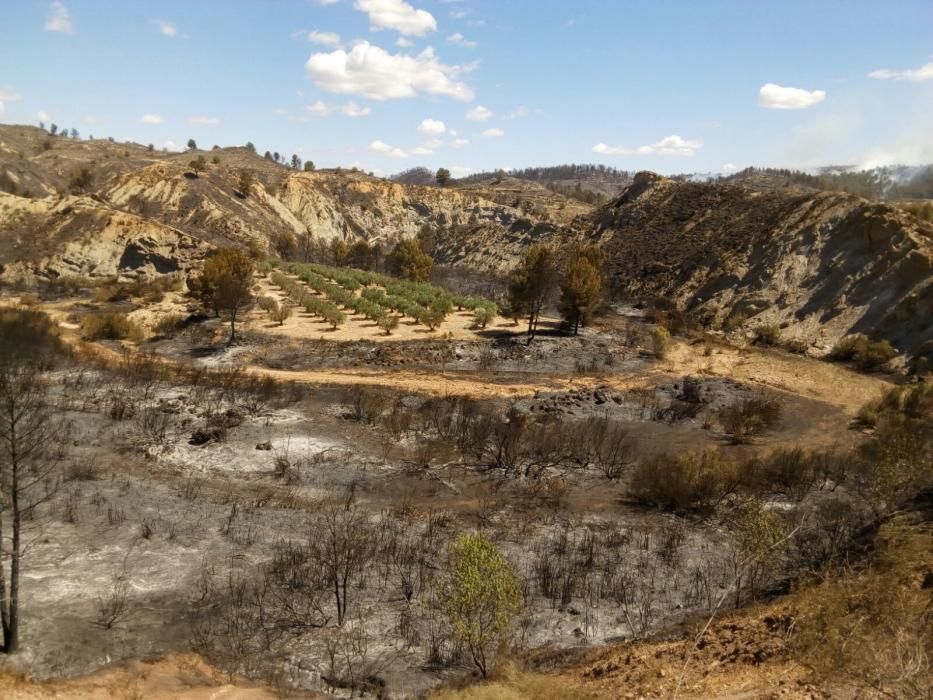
(152, 509)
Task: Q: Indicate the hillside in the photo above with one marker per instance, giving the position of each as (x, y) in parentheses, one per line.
(818, 264)
(752, 250)
(51, 221)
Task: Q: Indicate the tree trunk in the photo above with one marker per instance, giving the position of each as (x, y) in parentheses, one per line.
(11, 633)
(232, 326)
(4, 609)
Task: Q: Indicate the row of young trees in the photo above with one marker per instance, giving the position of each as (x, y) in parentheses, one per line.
(224, 284)
(542, 271)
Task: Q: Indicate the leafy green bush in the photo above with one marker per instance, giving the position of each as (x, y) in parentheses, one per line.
(483, 316)
(481, 596)
(660, 342)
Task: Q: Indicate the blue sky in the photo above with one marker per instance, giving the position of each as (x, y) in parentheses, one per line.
(479, 84)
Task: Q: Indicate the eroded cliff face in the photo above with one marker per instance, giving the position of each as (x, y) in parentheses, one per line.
(210, 208)
(333, 206)
(820, 265)
(56, 237)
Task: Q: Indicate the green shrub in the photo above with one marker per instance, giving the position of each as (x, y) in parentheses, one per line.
(660, 342)
(267, 303)
(281, 313)
(388, 323)
(481, 596)
(483, 316)
(864, 353)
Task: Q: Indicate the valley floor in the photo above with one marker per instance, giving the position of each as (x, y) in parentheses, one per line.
(180, 488)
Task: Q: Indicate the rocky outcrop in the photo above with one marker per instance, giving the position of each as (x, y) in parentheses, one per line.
(82, 237)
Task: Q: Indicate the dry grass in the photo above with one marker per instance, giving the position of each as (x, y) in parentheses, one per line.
(874, 627)
(512, 683)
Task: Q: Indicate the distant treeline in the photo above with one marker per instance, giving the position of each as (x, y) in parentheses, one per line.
(571, 171)
(895, 182)
(571, 180)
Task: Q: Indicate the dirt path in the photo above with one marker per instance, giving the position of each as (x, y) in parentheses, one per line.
(830, 383)
(183, 676)
(443, 383)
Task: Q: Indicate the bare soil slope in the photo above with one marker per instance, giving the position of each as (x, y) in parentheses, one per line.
(820, 265)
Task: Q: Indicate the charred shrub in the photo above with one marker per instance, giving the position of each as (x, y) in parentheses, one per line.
(749, 418)
(863, 353)
(111, 326)
(686, 482)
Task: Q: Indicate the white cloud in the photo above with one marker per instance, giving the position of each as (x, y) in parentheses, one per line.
(460, 170)
(204, 121)
(397, 15)
(729, 168)
(43, 116)
(351, 109)
(431, 127)
(915, 75)
(774, 96)
(58, 19)
(170, 145)
(492, 133)
(517, 113)
(460, 12)
(91, 119)
(325, 109)
(459, 143)
(384, 148)
(433, 143)
(7, 96)
(479, 114)
(404, 43)
(166, 28)
(320, 109)
(327, 2)
(669, 146)
(461, 40)
(151, 119)
(422, 151)
(375, 73)
(324, 38)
